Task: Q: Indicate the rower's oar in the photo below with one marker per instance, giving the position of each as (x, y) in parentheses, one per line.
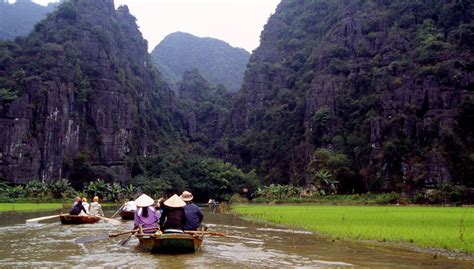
(117, 211)
(111, 220)
(205, 233)
(124, 242)
(132, 231)
(30, 221)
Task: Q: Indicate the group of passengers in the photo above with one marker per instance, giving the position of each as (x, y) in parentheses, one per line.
(82, 208)
(176, 214)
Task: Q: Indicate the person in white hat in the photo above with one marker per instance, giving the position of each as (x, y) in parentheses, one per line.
(145, 215)
(173, 219)
(192, 212)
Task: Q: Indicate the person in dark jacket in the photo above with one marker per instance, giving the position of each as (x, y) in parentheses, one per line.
(77, 208)
(173, 219)
(193, 213)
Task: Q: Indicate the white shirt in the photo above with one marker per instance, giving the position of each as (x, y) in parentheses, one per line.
(130, 206)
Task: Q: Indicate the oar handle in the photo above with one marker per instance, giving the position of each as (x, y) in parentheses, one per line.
(157, 228)
(132, 231)
(205, 233)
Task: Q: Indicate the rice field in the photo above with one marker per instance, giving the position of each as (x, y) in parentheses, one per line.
(429, 227)
(29, 206)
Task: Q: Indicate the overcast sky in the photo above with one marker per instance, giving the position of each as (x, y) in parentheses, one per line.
(238, 22)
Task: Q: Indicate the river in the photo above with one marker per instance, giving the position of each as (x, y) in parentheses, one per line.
(252, 245)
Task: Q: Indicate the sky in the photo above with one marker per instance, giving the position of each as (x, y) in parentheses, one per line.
(238, 22)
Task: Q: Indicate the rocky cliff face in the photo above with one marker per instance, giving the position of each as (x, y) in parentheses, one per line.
(389, 84)
(78, 96)
(206, 107)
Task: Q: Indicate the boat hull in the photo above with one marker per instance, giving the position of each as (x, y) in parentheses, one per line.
(170, 243)
(74, 220)
(127, 215)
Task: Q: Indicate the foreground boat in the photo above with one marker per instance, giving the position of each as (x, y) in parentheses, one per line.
(72, 219)
(127, 215)
(173, 243)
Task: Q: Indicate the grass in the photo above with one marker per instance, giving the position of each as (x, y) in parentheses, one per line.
(429, 227)
(29, 206)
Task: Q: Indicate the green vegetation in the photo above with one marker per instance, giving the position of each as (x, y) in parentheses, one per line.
(29, 206)
(217, 61)
(360, 91)
(446, 194)
(429, 227)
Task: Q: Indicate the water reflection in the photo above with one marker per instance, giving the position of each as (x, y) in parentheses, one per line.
(251, 245)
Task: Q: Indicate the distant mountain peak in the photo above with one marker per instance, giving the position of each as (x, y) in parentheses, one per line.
(217, 61)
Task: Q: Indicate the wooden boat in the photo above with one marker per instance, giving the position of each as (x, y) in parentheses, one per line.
(172, 243)
(127, 215)
(72, 219)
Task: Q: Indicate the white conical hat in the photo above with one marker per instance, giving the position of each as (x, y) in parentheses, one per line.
(144, 201)
(175, 201)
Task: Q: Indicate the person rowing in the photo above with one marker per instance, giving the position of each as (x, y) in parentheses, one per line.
(130, 205)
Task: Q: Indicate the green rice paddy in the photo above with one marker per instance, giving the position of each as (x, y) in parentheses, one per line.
(429, 227)
(29, 206)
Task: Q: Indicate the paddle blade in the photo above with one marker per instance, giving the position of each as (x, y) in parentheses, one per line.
(91, 238)
(35, 220)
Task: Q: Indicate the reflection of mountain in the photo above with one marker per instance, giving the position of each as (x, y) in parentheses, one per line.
(19, 18)
(217, 61)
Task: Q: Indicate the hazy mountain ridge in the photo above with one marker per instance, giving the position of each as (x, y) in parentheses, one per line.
(216, 60)
(19, 18)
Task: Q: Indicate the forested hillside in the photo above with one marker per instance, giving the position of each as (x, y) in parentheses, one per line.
(375, 95)
(80, 100)
(76, 98)
(217, 61)
(19, 18)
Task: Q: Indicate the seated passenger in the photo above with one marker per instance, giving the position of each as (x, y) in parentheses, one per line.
(192, 212)
(130, 205)
(95, 208)
(78, 208)
(85, 204)
(173, 218)
(145, 215)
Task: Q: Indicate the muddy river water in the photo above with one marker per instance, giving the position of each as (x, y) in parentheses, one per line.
(252, 245)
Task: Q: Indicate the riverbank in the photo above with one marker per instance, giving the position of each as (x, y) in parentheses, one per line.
(446, 228)
(4, 207)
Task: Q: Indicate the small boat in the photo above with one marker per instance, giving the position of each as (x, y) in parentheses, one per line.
(127, 215)
(73, 219)
(172, 243)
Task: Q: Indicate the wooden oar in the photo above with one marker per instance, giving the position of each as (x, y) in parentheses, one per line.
(132, 231)
(103, 236)
(117, 211)
(124, 242)
(111, 220)
(41, 218)
(155, 228)
(205, 233)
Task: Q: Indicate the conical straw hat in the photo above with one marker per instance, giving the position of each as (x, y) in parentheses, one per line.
(186, 196)
(144, 201)
(175, 201)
